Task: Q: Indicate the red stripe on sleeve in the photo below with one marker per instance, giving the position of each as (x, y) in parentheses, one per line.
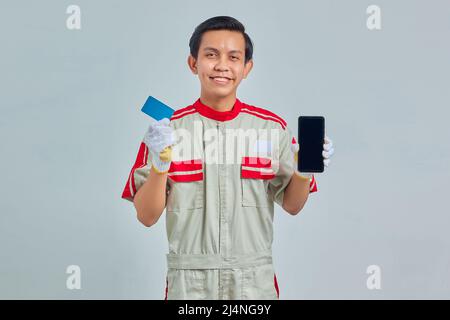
(313, 185)
(141, 161)
(276, 285)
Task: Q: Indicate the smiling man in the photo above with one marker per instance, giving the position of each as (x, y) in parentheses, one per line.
(219, 214)
(221, 60)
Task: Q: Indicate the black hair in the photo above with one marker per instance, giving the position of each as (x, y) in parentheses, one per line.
(220, 23)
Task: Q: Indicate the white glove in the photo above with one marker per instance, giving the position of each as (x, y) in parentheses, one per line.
(327, 152)
(159, 139)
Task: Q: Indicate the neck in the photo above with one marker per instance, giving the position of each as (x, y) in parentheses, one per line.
(219, 103)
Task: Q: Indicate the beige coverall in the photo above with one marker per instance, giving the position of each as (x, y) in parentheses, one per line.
(219, 212)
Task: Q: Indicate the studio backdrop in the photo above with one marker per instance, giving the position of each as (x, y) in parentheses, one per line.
(75, 74)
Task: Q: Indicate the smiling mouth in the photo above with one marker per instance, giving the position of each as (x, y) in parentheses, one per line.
(220, 80)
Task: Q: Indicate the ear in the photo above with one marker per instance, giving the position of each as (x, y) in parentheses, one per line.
(192, 63)
(248, 67)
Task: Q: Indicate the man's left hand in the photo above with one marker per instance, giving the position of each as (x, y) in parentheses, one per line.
(327, 152)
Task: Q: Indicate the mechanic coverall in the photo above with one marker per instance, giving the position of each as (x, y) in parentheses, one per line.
(219, 214)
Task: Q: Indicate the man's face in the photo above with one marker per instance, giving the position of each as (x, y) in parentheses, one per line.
(220, 64)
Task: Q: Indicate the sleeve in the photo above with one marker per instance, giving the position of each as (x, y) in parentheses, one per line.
(139, 173)
(284, 166)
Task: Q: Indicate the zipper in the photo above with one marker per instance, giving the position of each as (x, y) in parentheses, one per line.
(218, 181)
(219, 285)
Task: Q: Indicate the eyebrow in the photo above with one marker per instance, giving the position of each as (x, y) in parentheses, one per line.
(215, 50)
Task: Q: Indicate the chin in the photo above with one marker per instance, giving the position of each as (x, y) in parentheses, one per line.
(220, 92)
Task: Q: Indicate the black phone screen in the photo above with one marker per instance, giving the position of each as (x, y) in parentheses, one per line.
(311, 135)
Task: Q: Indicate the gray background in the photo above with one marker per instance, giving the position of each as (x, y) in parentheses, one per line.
(71, 127)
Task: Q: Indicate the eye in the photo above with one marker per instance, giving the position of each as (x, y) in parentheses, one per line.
(209, 54)
(233, 57)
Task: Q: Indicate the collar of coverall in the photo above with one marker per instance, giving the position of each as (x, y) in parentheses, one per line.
(209, 112)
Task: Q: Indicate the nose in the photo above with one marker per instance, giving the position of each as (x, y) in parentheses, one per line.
(222, 64)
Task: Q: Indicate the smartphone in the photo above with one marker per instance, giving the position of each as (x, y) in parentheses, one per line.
(311, 135)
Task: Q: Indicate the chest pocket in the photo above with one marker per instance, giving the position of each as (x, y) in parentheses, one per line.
(187, 186)
(256, 173)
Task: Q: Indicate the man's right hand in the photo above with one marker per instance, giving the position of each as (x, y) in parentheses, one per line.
(159, 139)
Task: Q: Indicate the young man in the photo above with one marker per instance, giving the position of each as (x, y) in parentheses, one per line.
(219, 195)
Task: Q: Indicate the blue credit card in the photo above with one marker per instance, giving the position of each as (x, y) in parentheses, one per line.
(156, 109)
